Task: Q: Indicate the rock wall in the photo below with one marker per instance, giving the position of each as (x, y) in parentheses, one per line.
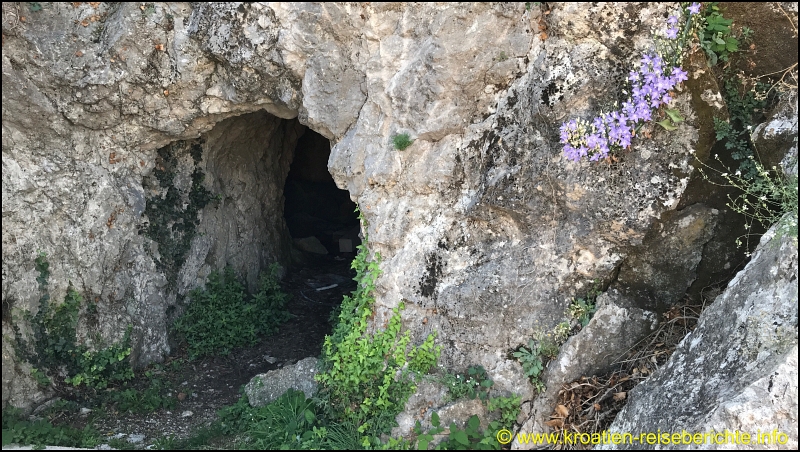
(737, 370)
(485, 229)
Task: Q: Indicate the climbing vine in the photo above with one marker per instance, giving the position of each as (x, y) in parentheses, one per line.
(173, 215)
(52, 345)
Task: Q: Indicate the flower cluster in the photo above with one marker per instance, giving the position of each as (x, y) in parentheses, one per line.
(650, 88)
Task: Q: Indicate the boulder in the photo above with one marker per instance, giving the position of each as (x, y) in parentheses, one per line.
(311, 245)
(264, 388)
(737, 371)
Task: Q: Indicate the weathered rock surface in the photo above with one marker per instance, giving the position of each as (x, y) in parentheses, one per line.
(484, 227)
(738, 369)
(658, 276)
(613, 330)
(264, 388)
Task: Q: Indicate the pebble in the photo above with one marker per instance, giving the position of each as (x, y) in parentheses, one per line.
(186, 413)
(136, 438)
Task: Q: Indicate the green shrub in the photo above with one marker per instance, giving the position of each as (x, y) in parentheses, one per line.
(532, 364)
(221, 317)
(366, 379)
(509, 408)
(716, 36)
(401, 141)
(582, 309)
(472, 384)
(287, 422)
(146, 400)
(470, 437)
(746, 100)
(17, 430)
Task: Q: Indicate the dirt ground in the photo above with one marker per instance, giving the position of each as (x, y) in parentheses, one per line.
(201, 387)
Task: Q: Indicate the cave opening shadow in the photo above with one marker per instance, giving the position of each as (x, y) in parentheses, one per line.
(324, 229)
(321, 218)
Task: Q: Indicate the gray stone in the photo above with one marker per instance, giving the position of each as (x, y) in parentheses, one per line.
(311, 245)
(738, 369)
(615, 327)
(428, 394)
(460, 411)
(135, 438)
(612, 331)
(657, 277)
(264, 388)
(778, 133)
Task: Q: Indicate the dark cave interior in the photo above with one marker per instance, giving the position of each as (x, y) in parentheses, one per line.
(317, 212)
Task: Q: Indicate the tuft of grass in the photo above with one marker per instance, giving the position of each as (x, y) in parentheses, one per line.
(401, 141)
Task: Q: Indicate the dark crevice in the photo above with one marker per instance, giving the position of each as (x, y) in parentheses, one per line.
(324, 229)
(314, 206)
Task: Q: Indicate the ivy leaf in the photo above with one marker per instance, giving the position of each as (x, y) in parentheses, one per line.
(674, 115)
(667, 125)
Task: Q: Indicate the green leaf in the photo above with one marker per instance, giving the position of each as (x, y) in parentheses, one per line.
(460, 436)
(667, 124)
(474, 423)
(435, 419)
(674, 115)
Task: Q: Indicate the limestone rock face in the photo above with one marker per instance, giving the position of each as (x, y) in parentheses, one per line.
(146, 145)
(614, 328)
(738, 369)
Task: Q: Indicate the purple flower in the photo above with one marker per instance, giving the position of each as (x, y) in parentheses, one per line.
(694, 8)
(571, 153)
(611, 131)
(663, 84)
(565, 133)
(672, 20)
(679, 75)
(672, 33)
(658, 64)
(594, 140)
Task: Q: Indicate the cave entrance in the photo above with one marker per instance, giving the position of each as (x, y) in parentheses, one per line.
(272, 200)
(321, 218)
(324, 230)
